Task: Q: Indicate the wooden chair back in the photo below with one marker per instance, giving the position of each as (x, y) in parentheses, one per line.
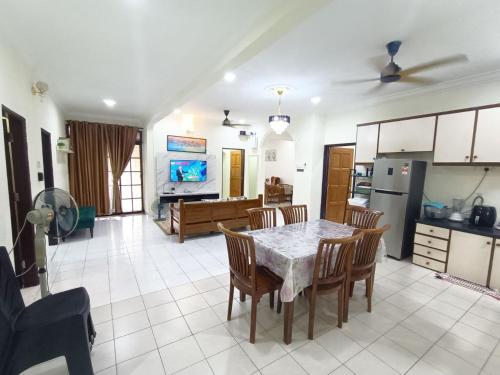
(366, 249)
(362, 217)
(241, 254)
(329, 272)
(294, 214)
(261, 218)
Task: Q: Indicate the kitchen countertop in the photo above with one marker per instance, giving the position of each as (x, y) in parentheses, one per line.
(463, 226)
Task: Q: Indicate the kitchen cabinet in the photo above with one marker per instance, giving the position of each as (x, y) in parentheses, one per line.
(495, 267)
(407, 135)
(486, 145)
(454, 135)
(430, 248)
(366, 143)
(469, 256)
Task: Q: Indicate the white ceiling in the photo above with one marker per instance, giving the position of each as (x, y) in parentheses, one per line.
(154, 55)
(344, 40)
(145, 54)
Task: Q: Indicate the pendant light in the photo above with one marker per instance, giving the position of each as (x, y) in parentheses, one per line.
(279, 123)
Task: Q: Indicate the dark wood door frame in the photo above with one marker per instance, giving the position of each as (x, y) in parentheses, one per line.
(48, 178)
(48, 170)
(20, 198)
(324, 182)
(242, 168)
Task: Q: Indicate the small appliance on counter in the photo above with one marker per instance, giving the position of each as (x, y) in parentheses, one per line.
(435, 210)
(456, 211)
(483, 216)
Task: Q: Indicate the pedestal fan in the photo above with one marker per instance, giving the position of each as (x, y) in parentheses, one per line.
(50, 204)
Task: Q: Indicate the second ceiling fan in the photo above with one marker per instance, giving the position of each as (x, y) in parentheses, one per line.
(392, 72)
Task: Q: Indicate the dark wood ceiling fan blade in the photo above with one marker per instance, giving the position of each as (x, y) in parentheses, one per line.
(350, 81)
(455, 59)
(418, 80)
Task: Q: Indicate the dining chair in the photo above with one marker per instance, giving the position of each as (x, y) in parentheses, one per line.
(362, 217)
(294, 214)
(247, 277)
(363, 267)
(332, 268)
(262, 217)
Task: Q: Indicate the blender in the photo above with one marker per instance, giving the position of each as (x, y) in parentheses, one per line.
(456, 210)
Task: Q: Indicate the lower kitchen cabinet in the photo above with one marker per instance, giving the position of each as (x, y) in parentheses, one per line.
(495, 267)
(469, 256)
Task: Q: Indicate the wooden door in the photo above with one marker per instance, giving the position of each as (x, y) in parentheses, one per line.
(486, 148)
(407, 135)
(450, 129)
(236, 175)
(340, 163)
(366, 143)
(18, 180)
(469, 256)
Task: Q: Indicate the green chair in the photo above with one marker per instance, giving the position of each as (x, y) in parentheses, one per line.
(86, 219)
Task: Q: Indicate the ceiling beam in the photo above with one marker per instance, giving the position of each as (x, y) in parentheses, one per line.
(278, 23)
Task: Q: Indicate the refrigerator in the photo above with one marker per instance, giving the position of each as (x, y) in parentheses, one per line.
(397, 190)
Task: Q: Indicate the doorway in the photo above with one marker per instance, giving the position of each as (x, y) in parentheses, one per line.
(18, 180)
(233, 172)
(48, 178)
(48, 171)
(338, 163)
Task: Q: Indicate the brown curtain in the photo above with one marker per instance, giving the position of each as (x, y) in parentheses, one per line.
(121, 142)
(88, 177)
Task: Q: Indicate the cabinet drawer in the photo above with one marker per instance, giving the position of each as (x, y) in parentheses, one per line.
(433, 231)
(431, 242)
(430, 253)
(428, 263)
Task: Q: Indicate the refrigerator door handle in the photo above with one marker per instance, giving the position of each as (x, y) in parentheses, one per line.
(382, 191)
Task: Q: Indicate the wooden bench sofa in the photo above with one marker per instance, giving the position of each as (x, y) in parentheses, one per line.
(202, 217)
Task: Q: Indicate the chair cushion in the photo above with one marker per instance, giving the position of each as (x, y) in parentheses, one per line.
(86, 217)
(54, 308)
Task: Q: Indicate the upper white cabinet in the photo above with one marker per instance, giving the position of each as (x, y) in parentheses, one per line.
(407, 135)
(454, 136)
(486, 144)
(366, 143)
(469, 256)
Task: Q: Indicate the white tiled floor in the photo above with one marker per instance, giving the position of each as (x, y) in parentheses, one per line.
(160, 307)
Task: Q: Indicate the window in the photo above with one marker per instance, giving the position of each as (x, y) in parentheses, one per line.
(130, 181)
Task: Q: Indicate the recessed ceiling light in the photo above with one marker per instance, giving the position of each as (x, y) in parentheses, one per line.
(229, 77)
(315, 100)
(177, 111)
(109, 102)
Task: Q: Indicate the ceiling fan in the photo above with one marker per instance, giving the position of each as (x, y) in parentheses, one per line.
(392, 72)
(229, 123)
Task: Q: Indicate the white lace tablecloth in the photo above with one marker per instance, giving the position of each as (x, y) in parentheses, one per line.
(289, 251)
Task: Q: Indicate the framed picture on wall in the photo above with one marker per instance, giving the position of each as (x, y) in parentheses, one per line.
(186, 144)
(270, 155)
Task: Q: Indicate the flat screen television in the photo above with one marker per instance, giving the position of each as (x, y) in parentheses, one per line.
(188, 170)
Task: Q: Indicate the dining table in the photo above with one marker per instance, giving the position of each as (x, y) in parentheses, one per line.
(290, 250)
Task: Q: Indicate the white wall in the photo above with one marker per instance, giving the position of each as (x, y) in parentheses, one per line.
(308, 133)
(217, 136)
(16, 79)
(226, 173)
(442, 183)
(284, 166)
